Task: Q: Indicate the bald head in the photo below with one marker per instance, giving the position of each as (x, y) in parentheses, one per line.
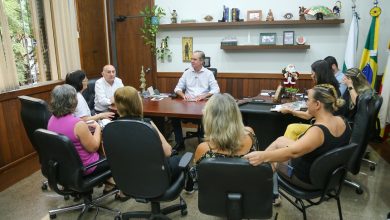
(109, 73)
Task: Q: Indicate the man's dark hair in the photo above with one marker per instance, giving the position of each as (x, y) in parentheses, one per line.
(75, 79)
(331, 60)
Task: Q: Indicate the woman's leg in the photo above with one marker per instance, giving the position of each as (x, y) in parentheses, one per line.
(293, 131)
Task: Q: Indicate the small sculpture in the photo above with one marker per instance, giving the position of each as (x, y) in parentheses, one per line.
(290, 76)
(270, 16)
(319, 12)
(174, 17)
(142, 80)
(337, 8)
(302, 13)
(288, 16)
(208, 18)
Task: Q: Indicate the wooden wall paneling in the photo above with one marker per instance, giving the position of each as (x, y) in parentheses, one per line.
(5, 152)
(92, 36)
(132, 53)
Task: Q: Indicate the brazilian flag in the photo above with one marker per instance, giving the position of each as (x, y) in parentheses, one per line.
(369, 60)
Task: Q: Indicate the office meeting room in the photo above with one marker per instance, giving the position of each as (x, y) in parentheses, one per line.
(160, 109)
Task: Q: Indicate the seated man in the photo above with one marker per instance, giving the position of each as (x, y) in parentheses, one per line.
(337, 73)
(105, 88)
(198, 83)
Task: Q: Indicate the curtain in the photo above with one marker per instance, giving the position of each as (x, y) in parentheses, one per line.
(66, 35)
(8, 73)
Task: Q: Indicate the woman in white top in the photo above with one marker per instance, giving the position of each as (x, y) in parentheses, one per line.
(79, 81)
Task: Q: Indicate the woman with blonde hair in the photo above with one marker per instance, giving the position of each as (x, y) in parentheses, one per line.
(357, 84)
(225, 133)
(328, 132)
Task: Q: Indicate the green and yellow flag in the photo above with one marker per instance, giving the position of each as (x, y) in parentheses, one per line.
(369, 60)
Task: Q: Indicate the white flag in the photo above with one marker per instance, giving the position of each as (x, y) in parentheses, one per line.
(384, 115)
(352, 41)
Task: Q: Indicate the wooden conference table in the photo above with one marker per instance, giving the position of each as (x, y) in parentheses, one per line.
(266, 124)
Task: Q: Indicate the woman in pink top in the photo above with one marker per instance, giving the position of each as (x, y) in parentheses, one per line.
(62, 104)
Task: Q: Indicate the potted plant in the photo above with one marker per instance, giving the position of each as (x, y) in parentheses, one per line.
(149, 29)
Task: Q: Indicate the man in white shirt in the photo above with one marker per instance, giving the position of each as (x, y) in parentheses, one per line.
(105, 88)
(198, 83)
(337, 73)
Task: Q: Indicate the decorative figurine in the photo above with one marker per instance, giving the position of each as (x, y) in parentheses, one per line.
(302, 13)
(208, 18)
(142, 80)
(270, 16)
(337, 8)
(319, 12)
(174, 17)
(290, 76)
(288, 16)
(301, 40)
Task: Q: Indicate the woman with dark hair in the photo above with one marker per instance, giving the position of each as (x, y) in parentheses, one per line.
(79, 81)
(321, 73)
(63, 102)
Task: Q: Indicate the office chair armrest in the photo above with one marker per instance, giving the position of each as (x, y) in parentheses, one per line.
(93, 164)
(185, 160)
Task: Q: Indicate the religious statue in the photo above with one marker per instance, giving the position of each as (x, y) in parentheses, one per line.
(174, 17)
(142, 80)
(270, 16)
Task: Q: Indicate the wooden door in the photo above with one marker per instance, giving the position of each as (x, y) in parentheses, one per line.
(132, 53)
(92, 36)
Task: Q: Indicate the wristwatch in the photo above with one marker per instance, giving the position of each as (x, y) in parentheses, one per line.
(350, 88)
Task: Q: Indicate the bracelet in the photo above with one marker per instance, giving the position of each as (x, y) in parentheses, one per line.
(350, 88)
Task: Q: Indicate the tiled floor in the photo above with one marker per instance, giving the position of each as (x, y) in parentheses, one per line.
(25, 200)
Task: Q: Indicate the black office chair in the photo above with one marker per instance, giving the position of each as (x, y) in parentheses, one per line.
(140, 169)
(234, 189)
(327, 174)
(89, 94)
(35, 114)
(62, 166)
(375, 127)
(360, 135)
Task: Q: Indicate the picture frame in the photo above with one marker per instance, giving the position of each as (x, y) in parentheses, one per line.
(254, 15)
(288, 37)
(267, 38)
(206, 62)
(187, 49)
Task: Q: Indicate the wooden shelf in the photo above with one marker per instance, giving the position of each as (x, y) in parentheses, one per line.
(246, 24)
(266, 47)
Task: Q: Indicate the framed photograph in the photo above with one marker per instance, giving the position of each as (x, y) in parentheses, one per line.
(206, 62)
(254, 15)
(288, 38)
(268, 38)
(186, 49)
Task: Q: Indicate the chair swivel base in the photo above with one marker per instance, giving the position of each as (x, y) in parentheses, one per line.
(358, 188)
(85, 206)
(156, 212)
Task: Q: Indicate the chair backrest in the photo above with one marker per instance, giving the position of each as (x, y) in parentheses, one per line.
(224, 178)
(35, 114)
(214, 70)
(361, 129)
(329, 169)
(89, 93)
(59, 149)
(375, 123)
(135, 155)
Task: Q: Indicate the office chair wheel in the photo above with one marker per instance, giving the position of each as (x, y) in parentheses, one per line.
(66, 197)
(117, 218)
(53, 216)
(372, 167)
(184, 212)
(44, 187)
(359, 191)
